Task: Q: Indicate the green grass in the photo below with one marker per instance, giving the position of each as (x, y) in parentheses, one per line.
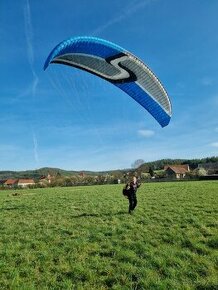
(83, 238)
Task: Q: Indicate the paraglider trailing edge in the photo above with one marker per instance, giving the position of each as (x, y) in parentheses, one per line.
(118, 66)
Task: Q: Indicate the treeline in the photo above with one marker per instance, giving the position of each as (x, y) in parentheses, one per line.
(81, 180)
(35, 174)
(193, 163)
(145, 167)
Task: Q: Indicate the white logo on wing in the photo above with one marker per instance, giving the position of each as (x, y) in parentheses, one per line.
(123, 73)
(96, 65)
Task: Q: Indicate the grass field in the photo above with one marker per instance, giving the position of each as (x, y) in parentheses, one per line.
(83, 238)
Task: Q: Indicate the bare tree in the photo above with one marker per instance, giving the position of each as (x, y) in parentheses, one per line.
(138, 163)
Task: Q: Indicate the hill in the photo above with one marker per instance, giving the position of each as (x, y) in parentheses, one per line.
(37, 173)
(155, 165)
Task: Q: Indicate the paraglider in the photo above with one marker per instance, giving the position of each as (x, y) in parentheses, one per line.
(118, 66)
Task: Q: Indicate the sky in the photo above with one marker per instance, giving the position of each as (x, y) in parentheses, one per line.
(67, 118)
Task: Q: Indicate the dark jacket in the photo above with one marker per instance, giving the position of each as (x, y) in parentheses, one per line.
(131, 188)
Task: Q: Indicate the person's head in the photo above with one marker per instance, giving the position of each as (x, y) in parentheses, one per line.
(134, 179)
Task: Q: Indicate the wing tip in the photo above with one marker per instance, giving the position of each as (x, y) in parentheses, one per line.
(165, 121)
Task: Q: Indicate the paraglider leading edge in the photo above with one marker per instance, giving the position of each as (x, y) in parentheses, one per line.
(118, 66)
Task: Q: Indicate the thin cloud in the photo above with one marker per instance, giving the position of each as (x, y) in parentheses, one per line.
(214, 144)
(145, 133)
(29, 41)
(128, 11)
(29, 34)
(35, 149)
(30, 55)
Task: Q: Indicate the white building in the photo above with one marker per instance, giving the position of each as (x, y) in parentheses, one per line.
(25, 182)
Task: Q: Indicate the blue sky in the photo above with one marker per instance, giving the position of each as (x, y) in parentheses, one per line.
(67, 118)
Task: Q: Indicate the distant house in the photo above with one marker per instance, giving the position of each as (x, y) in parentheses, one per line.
(25, 182)
(10, 182)
(176, 171)
(42, 180)
(45, 179)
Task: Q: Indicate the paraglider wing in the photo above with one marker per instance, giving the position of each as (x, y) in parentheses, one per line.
(118, 66)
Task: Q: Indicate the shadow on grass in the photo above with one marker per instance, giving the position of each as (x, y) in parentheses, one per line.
(99, 215)
(20, 207)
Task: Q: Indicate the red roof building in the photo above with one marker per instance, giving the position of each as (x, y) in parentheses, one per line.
(10, 182)
(177, 171)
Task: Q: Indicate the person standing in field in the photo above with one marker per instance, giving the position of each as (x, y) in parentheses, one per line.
(131, 189)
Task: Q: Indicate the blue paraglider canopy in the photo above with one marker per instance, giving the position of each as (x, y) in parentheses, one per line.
(118, 66)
